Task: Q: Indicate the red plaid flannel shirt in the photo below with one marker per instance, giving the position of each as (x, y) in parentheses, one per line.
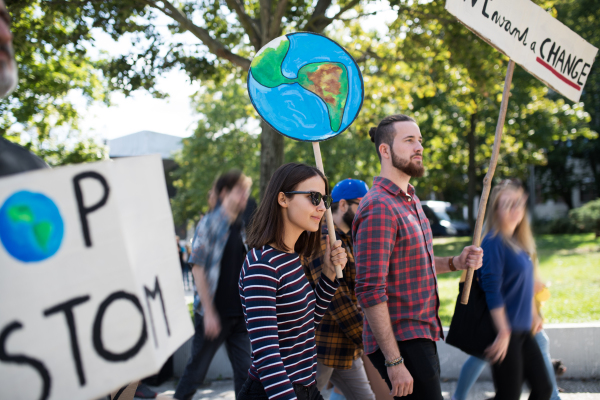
(394, 262)
(339, 335)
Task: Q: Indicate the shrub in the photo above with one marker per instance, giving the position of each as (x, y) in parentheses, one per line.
(587, 217)
(559, 226)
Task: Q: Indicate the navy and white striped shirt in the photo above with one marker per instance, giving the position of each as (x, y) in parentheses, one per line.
(281, 312)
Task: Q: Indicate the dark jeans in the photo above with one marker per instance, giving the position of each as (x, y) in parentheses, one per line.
(254, 390)
(235, 336)
(523, 362)
(421, 360)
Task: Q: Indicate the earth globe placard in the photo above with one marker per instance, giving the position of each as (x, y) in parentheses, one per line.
(31, 227)
(306, 86)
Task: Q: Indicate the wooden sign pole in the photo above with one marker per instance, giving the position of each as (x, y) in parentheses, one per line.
(328, 215)
(127, 392)
(487, 181)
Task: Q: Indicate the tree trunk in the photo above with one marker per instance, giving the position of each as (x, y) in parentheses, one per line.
(271, 154)
(472, 170)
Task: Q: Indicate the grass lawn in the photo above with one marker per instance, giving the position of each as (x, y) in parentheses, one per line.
(569, 264)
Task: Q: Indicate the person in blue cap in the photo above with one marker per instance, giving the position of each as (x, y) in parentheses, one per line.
(339, 335)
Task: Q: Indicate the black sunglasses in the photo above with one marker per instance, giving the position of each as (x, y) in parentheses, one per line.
(316, 197)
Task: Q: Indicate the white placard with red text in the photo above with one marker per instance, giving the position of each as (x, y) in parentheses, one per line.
(532, 38)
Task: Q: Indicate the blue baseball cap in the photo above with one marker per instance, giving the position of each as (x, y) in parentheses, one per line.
(349, 189)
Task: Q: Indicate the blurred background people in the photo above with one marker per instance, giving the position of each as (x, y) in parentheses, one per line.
(217, 254)
(188, 280)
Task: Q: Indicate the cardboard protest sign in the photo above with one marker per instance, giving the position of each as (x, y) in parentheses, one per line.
(91, 293)
(532, 38)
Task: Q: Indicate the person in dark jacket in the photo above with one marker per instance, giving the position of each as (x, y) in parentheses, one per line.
(218, 251)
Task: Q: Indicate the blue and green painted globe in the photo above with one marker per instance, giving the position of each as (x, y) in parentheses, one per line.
(31, 227)
(306, 86)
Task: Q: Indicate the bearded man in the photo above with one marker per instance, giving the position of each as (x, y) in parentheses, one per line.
(396, 283)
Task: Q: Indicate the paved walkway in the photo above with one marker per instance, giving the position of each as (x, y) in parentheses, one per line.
(574, 390)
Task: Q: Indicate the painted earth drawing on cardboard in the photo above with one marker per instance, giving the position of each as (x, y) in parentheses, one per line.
(31, 227)
(306, 86)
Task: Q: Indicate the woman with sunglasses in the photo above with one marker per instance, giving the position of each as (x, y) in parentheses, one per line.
(507, 278)
(280, 306)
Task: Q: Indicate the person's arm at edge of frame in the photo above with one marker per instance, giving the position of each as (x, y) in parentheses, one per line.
(377, 215)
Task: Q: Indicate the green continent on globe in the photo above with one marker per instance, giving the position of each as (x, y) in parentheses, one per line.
(41, 230)
(328, 80)
(20, 213)
(266, 66)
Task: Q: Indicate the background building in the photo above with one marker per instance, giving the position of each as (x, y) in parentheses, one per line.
(145, 143)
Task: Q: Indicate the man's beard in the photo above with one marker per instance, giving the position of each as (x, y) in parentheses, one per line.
(407, 166)
(348, 217)
(8, 73)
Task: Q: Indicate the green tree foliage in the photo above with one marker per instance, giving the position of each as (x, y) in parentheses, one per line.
(582, 16)
(459, 98)
(52, 61)
(429, 66)
(222, 141)
(210, 40)
(75, 151)
(433, 68)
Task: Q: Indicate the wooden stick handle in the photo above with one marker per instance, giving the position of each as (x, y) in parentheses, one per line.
(328, 215)
(487, 181)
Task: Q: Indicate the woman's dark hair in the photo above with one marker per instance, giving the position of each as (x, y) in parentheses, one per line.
(384, 132)
(227, 181)
(267, 223)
